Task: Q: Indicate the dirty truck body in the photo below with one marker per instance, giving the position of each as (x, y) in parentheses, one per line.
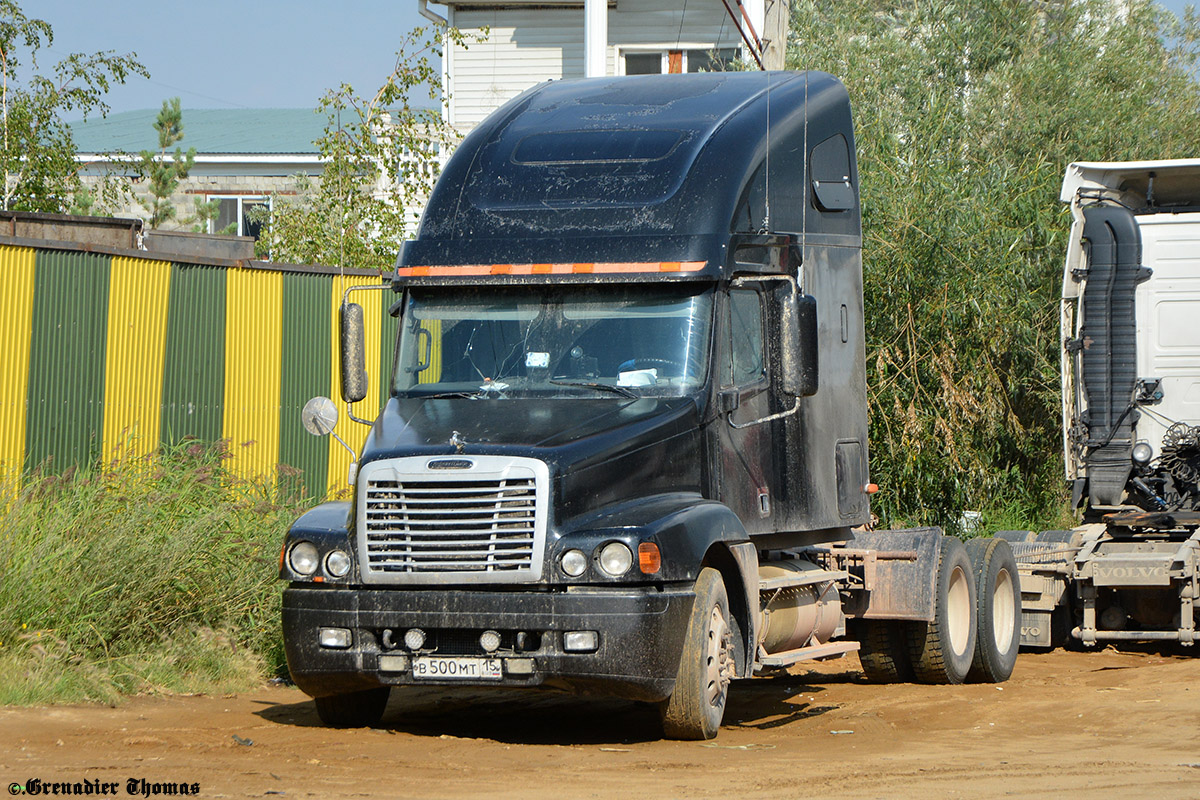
(626, 443)
(1131, 414)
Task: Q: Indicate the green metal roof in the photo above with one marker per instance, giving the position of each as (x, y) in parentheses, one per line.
(209, 130)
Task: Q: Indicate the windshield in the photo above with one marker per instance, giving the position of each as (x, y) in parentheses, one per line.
(562, 341)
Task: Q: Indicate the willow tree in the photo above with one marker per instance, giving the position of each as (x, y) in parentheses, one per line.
(967, 114)
(37, 151)
(382, 155)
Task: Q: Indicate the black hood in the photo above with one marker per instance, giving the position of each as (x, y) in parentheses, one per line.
(598, 451)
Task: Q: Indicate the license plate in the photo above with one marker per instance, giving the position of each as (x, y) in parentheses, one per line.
(468, 669)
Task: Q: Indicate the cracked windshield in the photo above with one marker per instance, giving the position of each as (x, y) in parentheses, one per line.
(559, 341)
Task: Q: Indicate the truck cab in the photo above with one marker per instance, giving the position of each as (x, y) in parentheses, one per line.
(1130, 412)
(628, 398)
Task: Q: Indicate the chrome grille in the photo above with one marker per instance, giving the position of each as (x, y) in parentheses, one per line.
(484, 523)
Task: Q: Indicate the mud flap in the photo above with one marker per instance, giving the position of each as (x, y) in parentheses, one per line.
(900, 574)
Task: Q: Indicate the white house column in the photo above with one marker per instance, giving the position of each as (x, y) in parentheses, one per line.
(595, 38)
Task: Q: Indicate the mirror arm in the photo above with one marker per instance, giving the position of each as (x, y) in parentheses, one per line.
(350, 413)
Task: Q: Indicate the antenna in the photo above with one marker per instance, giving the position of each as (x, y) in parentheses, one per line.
(766, 223)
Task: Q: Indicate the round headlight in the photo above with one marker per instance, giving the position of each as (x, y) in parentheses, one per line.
(616, 559)
(304, 558)
(1142, 453)
(574, 563)
(337, 563)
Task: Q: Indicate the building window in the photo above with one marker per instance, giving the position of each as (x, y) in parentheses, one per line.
(233, 214)
(659, 60)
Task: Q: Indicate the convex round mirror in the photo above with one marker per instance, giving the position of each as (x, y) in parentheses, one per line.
(319, 416)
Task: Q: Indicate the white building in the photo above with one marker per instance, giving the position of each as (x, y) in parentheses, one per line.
(515, 44)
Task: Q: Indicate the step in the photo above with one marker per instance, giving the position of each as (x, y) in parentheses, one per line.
(826, 650)
(802, 579)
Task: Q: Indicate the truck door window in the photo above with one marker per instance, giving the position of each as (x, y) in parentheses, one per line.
(746, 337)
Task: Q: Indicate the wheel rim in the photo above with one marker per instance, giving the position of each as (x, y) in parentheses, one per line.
(718, 660)
(1004, 611)
(958, 611)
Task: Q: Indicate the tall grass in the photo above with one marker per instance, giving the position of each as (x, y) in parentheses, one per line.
(150, 574)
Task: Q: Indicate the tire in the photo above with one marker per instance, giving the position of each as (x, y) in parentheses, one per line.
(696, 706)
(998, 610)
(942, 650)
(1013, 537)
(353, 710)
(883, 650)
(1055, 537)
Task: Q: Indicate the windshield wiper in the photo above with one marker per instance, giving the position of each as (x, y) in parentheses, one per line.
(604, 387)
(475, 395)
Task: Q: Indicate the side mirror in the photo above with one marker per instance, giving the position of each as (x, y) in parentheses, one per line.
(354, 353)
(319, 416)
(798, 329)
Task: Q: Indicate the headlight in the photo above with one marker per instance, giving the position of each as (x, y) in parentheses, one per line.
(337, 563)
(1142, 453)
(574, 563)
(304, 558)
(615, 559)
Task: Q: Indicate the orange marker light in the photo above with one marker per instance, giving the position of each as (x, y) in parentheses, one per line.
(649, 559)
(871, 488)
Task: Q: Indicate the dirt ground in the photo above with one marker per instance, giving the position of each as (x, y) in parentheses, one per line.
(1098, 724)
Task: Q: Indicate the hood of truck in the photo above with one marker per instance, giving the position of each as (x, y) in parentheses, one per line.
(599, 450)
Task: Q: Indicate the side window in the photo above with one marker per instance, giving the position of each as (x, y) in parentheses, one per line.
(746, 336)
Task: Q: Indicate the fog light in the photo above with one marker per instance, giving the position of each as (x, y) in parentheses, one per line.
(489, 641)
(414, 639)
(393, 663)
(581, 641)
(518, 666)
(334, 637)
(574, 563)
(1142, 453)
(337, 563)
(615, 559)
(304, 558)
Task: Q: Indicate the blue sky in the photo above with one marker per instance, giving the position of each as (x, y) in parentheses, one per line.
(226, 54)
(245, 54)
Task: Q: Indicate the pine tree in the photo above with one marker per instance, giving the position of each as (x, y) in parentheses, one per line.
(163, 175)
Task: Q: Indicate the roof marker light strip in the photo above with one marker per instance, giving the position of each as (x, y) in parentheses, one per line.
(548, 269)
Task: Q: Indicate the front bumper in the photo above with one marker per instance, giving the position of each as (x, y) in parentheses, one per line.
(640, 632)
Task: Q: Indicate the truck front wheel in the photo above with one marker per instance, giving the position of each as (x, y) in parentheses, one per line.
(697, 704)
(353, 710)
(942, 650)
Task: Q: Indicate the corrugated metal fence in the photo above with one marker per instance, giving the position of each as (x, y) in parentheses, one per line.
(108, 353)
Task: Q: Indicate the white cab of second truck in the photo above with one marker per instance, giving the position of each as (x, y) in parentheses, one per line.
(1130, 412)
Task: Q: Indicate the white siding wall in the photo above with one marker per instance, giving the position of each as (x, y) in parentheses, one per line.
(527, 46)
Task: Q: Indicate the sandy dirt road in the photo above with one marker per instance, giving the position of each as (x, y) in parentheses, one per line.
(1107, 724)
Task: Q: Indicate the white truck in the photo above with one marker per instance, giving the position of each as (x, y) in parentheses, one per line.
(1130, 413)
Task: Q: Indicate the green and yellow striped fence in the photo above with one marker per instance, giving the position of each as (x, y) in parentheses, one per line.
(108, 354)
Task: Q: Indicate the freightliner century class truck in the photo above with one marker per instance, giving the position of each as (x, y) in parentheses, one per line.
(1131, 415)
(625, 450)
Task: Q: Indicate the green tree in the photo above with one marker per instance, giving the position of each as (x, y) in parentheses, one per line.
(967, 114)
(381, 159)
(40, 173)
(162, 170)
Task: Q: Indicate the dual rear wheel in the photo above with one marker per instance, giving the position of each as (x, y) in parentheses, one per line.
(974, 635)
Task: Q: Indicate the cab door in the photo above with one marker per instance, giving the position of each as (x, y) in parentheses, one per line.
(746, 468)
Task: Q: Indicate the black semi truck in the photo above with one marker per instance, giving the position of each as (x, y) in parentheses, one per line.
(625, 450)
